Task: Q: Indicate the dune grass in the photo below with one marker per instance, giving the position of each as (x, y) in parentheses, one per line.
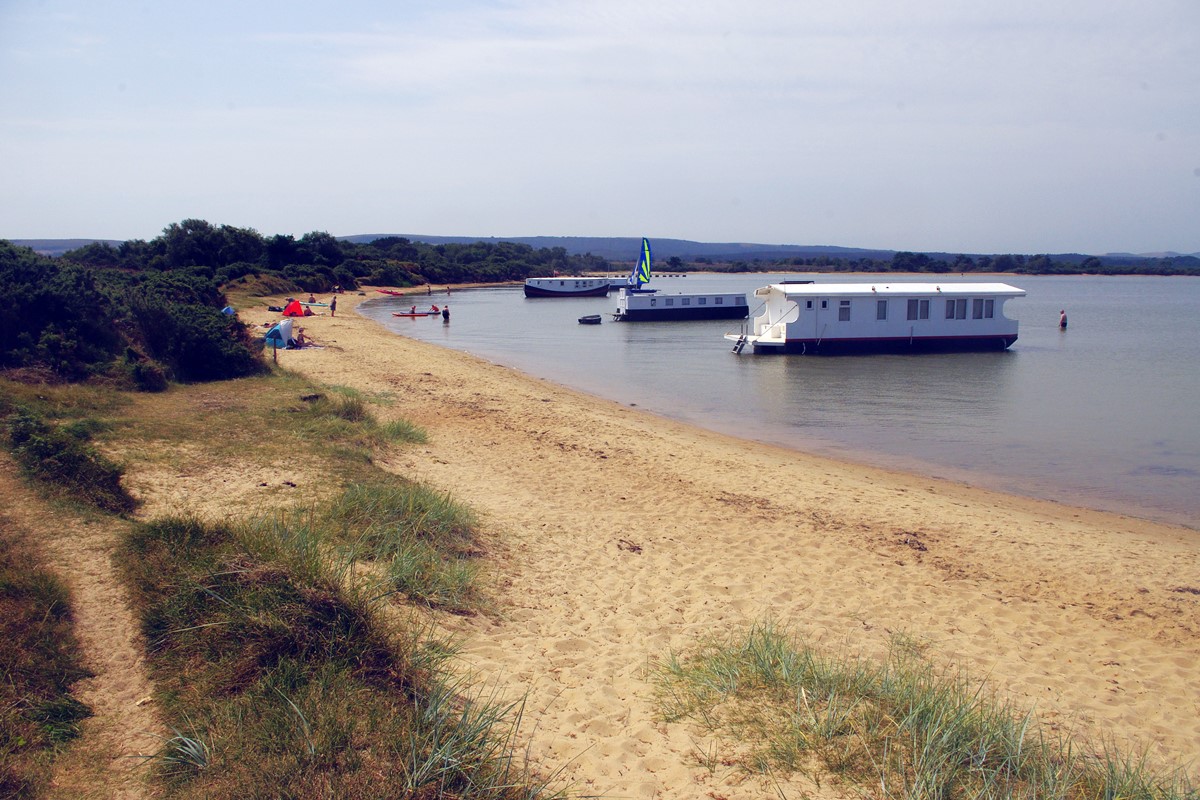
(276, 670)
(40, 659)
(280, 677)
(898, 729)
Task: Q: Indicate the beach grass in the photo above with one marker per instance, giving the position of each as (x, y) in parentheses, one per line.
(274, 661)
(276, 671)
(774, 705)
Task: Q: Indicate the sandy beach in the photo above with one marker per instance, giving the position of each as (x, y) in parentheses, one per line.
(615, 536)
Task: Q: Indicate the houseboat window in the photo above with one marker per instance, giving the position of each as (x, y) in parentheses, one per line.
(808, 303)
(670, 301)
(881, 309)
(844, 311)
(702, 301)
(687, 301)
(720, 301)
(654, 301)
(918, 309)
(824, 304)
(989, 309)
(977, 308)
(949, 309)
(960, 308)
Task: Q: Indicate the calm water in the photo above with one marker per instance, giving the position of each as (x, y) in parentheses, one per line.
(1103, 415)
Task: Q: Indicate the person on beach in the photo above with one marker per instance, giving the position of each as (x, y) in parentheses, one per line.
(333, 306)
(1062, 319)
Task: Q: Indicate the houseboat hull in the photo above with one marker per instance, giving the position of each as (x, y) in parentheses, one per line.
(850, 347)
(648, 306)
(566, 287)
(848, 319)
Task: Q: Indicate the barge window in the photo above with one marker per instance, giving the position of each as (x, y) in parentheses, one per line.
(881, 309)
(844, 311)
(918, 309)
(983, 309)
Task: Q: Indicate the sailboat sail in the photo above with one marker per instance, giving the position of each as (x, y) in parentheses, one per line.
(641, 271)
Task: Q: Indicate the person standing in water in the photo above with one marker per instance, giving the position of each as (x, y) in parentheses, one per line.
(446, 313)
(1062, 319)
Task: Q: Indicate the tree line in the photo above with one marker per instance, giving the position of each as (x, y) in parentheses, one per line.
(148, 312)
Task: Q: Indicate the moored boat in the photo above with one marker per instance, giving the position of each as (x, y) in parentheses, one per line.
(590, 319)
(840, 318)
(636, 304)
(647, 306)
(566, 287)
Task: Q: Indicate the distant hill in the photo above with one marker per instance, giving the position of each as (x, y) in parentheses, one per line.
(56, 247)
(618, 248)
(625, 248)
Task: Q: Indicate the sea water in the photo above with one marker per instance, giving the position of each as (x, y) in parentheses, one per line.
(1102, 415)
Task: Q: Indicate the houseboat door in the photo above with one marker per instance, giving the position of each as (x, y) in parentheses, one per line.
(818, 314)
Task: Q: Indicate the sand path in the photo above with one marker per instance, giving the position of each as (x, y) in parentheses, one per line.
(617, 535)
(102, 762)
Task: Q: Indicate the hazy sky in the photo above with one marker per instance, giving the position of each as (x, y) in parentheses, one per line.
(957, 125)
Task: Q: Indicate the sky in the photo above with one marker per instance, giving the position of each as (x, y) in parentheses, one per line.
(1028, 126)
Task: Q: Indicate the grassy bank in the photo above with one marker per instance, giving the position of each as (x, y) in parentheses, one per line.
(278, 671)
(774, 705)
(289, 645)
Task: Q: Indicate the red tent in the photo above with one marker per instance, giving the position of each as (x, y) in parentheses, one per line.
(293, 309)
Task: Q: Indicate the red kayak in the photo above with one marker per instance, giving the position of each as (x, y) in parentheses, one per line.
(392, 292)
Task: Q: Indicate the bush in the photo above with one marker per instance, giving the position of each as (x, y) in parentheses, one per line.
(57, 457)
(197, 343)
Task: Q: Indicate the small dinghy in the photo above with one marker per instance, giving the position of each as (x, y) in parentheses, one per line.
(590, 319)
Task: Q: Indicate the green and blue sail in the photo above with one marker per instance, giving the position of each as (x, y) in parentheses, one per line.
(641, 270)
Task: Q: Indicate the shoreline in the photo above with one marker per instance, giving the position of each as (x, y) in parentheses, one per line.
(616, 535)
(1164, 500)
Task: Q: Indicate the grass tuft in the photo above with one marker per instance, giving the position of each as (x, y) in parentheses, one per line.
(903, 728)
(287, 678)
(426, 540)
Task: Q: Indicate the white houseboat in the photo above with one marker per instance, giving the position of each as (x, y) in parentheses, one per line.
(836, 318)
(566, 287)
(647, 305)
(636, 304)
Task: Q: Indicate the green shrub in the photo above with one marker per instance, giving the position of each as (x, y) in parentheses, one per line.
(68, 462)
(198, 343)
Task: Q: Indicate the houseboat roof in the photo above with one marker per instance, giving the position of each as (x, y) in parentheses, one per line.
(949, 288)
